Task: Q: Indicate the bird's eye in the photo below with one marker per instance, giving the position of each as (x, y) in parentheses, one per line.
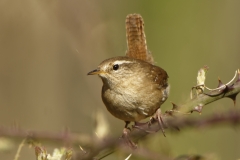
(115, 67)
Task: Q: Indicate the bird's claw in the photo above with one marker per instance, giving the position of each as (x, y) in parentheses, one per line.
(158, 117)
(142, 126)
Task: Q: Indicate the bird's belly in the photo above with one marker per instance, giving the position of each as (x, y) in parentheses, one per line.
(129, 106)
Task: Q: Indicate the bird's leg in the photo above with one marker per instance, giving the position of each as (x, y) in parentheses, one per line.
(158, 117)
(143, 126)
(126, 130)
(139, 124)
(126, 125)
(125, 136)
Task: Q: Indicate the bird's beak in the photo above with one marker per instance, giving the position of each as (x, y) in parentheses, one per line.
(96, 71)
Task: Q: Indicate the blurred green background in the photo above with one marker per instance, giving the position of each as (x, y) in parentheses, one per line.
(48, 47)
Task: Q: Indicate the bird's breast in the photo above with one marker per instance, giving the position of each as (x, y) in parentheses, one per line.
(131, 103)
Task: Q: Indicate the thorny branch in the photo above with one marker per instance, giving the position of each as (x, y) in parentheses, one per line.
(33, 137)
(174, 118)
(109, 146)
(97, 149)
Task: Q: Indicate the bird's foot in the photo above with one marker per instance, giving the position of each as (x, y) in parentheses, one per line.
(158, 117)
(126, 139)
(144, 126)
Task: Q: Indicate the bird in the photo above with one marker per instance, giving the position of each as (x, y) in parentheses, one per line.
(133, 87)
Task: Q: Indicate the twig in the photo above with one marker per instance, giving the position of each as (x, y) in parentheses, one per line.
(172, 118)
(232, 117)
(175, 120)
(72, 139)
(17, 155)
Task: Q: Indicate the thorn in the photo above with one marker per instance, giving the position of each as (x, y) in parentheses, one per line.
(220, 84)
(198, 108)
(175, 107)
(233, 97)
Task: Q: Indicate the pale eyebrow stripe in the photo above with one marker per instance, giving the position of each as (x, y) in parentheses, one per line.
(121, 62)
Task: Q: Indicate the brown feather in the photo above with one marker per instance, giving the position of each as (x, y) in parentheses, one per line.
(136, 39)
